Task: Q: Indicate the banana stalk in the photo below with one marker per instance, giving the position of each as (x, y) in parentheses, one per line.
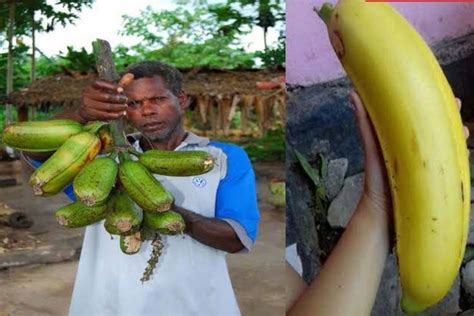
(419, 127)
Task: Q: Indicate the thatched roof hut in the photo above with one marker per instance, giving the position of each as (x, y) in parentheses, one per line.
(215, 95)
(66, 90)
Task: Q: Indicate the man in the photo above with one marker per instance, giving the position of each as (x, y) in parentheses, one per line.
(219, 208)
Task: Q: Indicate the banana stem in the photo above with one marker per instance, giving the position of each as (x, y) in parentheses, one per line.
(325, 12)
(134, 152)
(124, 155)
(106, 69)
(113, 155)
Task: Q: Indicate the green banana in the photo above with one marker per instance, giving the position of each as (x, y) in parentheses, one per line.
(177, 163)
(94, 183)
(143, 188)
(78, 215)
(168, 223)
(124, 217)
(40, 136)
(130, 244)
(61, 168)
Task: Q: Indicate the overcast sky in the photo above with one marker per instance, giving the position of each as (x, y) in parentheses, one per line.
(104, 20)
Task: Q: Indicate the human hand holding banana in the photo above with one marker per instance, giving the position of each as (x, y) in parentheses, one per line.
(104, 100)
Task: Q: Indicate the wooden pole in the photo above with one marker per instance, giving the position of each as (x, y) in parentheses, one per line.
(8, 108)
(33, 48)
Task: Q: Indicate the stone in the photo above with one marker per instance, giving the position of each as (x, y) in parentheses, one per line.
(321, 120)
(468, 281)
(470, 238)
(291, 256)
(343, 206)
(335, 179)
(388, 294)
(300, 220)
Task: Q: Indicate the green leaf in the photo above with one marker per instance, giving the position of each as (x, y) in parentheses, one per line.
(324, 166)
(312, 173)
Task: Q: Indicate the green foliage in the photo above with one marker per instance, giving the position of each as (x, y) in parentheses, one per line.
(20, 64)
(273, 57)
(187, 38)
(270, 148)
(78, 60)
(207, 35)
(47, 15)
(318, 175)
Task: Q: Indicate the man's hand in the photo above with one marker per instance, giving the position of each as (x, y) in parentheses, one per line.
(212, 232)
(104, 100)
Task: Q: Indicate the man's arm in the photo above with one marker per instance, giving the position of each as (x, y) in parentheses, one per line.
(212, 232)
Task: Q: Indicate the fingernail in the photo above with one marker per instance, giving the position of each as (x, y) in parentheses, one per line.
(124, 113)
(119, 89)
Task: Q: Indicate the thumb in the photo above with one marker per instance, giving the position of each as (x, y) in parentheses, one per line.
(125, 81)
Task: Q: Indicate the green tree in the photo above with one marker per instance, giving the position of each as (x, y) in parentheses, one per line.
(186, 38)
(31, 16)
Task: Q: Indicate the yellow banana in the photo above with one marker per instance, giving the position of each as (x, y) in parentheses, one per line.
(416, 119)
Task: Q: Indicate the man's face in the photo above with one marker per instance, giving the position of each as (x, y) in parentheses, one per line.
(153, 109)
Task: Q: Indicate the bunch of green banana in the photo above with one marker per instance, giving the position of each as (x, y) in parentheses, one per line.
(124, 216)
(139, 210)
(40, 136)
(143, 188)
(63, 166)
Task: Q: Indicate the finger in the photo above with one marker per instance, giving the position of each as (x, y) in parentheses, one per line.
(105, 85)
(102, 115)
(369, 141)
(126, 80)
(105, 97)
(466, 131)
(458, 103)
(105, 107)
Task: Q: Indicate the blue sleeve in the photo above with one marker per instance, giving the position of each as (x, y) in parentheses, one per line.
(237, 195)
(68, 190)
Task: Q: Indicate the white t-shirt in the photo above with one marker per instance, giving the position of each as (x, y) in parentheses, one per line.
(190, 277)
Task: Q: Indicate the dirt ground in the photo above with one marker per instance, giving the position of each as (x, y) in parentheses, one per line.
(257, 277)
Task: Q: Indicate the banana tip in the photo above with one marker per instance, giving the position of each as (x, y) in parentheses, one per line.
(409, 306)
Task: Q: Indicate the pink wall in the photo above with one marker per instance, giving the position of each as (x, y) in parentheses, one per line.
(309, 55)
